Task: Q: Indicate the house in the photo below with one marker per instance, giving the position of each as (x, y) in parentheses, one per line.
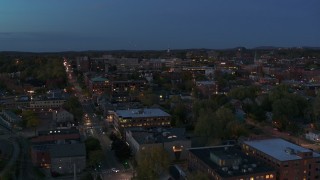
(10, 119)
(173, 140)
(228, 162)
(207, 88)
(63, 118)
(313, 136)
(290, 160)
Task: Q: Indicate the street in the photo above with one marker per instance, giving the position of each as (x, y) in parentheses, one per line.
(94, 126)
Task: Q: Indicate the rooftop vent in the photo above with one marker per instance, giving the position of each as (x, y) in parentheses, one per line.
(289, 150)
(234, 167)
(165, 134)
(225, 169)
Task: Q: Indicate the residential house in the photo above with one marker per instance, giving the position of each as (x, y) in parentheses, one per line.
(10, 119)
(313, 136)
(63, 118)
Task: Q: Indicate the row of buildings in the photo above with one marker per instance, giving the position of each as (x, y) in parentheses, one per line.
(60, 150)
(256, 160)
(248, 160)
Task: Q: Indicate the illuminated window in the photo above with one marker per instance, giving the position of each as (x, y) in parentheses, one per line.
(267, 176)
(271, 175)
(251, 178)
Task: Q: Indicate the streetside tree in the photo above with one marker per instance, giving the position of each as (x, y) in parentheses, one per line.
(152, 162)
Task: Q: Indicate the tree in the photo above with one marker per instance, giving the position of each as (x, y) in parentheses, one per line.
(122, 150)
(152, 161)
(30, 119)
(74, 106)
(92, 144)
(214, 125)
(316, 107)
(95, 157)
(257, 112)
(283, 111)
(244, 92)
(149, 98)
(236, 129)
(205, 123)
(179, 115)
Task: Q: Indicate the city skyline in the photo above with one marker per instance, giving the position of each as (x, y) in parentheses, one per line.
(72, 25)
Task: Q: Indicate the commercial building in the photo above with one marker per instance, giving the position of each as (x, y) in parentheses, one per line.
(144, 117)
(291, 161)
(67, 158)
(98, 84)
(173, 140)
(57, 136)
(46, 103)
(204, 70)
(228, 163)
(43, 148)
(126, 91)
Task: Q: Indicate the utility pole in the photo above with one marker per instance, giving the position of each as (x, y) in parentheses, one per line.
(74, 171)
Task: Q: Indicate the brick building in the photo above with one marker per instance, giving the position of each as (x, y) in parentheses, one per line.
(291, 161)
(148, 117)
(173, 140)
(228, 163)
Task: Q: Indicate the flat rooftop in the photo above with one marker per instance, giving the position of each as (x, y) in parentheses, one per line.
(279, 149)
(157, 135)
(141, 113)
(68, 150)
(58, 131)
(245, 165)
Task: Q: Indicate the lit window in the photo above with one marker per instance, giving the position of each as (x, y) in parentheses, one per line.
(271, 175)
(251, 178)
(267, 176)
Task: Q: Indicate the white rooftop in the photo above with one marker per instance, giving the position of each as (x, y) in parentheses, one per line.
(136, 113)
(279, 149)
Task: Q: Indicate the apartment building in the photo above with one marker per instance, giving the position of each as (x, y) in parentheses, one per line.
(228, 163)
(173, 140)
(144, 117)
(292, 162)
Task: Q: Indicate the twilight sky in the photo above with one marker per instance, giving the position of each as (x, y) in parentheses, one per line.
(60, 25)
